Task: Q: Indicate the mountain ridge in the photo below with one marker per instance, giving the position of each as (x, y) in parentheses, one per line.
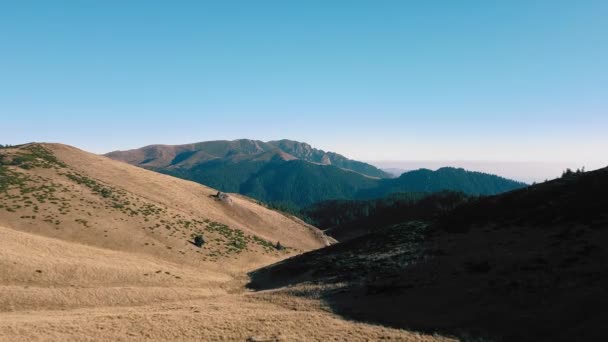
(295, 174)
(173, 156)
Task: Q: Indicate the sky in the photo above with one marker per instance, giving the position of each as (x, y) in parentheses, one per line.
(493, 81)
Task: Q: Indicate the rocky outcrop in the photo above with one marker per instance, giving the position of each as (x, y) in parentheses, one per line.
(223, 197)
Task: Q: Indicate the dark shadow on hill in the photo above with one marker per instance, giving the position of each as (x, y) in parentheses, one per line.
(348, 219)
(529, 265)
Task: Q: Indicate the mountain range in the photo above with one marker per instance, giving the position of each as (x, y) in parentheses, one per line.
(236, 152)
(295, 174)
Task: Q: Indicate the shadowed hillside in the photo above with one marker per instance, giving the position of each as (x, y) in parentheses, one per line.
(527, 265)
(348, 219)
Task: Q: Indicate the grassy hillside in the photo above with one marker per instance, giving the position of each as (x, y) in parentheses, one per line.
(94, 249)
(527, 265)
(61, 192)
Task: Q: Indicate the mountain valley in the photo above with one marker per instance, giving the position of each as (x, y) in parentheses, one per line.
(98, 249)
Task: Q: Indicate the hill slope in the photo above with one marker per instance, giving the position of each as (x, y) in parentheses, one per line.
(302, 184)
(94, 249)
(445, 178)
(56, 191)
(527, 265)
(348, 219)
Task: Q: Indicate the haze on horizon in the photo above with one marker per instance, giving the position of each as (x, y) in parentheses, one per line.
(511, 82)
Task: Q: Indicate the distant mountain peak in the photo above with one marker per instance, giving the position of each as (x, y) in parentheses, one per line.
(190, 155)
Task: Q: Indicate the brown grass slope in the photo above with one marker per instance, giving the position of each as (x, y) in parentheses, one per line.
(46, 273)
(55, 290)
(116, 194)
(97, 250)
(528, 265)
(60, 192)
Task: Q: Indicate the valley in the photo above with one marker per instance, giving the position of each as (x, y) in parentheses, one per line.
(98, 249)
(95, 248)
(303, 171)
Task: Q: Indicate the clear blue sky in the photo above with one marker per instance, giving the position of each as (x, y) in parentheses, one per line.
(375, 80)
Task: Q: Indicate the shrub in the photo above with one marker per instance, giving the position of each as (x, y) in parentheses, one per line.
(105, 192)
(199, 241)
(278, 246)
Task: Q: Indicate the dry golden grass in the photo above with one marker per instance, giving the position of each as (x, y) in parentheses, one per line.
(95, 249)
(220, 318)
(44, 273)
(145, 212)
(56, 290)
